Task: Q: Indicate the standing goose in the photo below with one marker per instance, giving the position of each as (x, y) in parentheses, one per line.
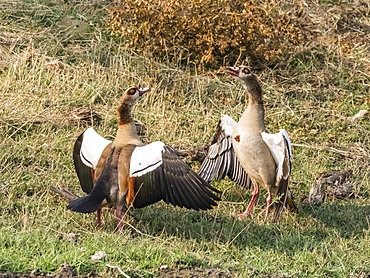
(89, 149)
(246, 153)
(127, 173)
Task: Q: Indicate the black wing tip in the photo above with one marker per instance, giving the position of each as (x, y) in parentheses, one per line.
(209, 190)
(210, 187)
(193, 195)
(279, 208)
(83, 172)
(285, 202)
(216, 198)
(210, 206)
(277, 213)
(83, 205)
(292, 208)
(182, 186)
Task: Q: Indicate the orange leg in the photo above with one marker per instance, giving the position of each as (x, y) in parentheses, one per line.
(249, 210)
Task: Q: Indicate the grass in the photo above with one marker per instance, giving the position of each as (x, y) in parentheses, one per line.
(48, 71)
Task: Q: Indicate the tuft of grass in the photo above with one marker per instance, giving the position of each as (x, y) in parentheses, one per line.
(47, 70)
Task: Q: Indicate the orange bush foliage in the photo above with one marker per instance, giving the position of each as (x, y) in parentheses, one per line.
(210, 32)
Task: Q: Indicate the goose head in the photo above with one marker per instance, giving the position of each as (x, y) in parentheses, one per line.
(244, 75)
(127, 101)
(239, 72)
(133, 94)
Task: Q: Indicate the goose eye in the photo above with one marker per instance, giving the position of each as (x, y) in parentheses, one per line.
(246, 71)
(132, 91)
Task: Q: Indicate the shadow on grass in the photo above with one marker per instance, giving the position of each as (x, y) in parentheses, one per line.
(294, 232)
(345, 217)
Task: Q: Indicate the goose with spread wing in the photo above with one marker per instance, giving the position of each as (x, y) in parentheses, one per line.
(250, 156)
(126, 173)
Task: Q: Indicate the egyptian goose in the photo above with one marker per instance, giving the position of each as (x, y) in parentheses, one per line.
(248, 155)
(126, 173)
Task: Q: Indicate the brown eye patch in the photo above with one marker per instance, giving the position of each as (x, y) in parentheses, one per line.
(132, 91)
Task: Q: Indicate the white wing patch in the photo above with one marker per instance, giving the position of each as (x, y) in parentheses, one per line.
(146, 158)
(227, 124)
(92, 147)
(281, 150)
(287, 138)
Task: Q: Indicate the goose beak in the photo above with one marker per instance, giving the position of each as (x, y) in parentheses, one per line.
(143, 91)
(234, 71)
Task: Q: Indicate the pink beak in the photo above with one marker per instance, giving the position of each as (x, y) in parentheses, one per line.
(233, 71)
(143, 91)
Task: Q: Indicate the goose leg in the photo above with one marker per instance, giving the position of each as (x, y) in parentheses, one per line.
(268, 202)
(119, 217)
(249, 210)
(98, 217)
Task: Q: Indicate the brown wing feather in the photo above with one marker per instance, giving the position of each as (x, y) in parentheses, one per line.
(102, 161)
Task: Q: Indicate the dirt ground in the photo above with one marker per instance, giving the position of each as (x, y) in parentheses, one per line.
(176, 272)
(195, 273)
(65, 272)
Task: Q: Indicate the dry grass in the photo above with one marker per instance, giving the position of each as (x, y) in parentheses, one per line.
(213, 34)
(207, 32)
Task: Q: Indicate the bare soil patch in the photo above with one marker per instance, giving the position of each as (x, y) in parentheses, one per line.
(179, 272)
(176, 272)
(65, 272)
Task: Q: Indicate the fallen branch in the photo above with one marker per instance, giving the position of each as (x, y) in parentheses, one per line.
(64, 193)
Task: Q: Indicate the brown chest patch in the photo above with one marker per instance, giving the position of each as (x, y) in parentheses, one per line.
(237, 138)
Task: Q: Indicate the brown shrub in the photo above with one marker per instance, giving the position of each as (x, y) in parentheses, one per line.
(208, 32)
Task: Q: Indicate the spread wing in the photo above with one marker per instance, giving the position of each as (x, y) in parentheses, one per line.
(86, 153)
(106, 181)
(160, 174)
(221, 160)
(281, 150)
